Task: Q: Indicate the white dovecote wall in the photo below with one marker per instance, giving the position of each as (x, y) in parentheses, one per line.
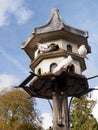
(63, 44)
(47, 65)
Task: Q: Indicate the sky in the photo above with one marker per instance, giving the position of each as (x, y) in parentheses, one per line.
(18, 18)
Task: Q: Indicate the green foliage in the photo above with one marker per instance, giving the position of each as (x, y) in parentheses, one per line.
(17, 111)
(80, 115)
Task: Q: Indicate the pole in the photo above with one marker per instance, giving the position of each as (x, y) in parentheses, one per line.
(60, 111)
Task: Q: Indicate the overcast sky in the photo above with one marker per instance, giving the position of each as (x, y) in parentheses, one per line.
(17, 20)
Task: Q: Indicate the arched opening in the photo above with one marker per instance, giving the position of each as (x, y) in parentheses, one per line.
(69, 48)
(39, 71)
(71, 68)
(52, 66)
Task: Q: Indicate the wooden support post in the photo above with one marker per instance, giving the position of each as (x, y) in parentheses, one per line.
(60, 111)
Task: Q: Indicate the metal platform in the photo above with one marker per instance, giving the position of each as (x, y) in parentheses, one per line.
(42, 87)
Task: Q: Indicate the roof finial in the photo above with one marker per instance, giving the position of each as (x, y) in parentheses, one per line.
(55, 10)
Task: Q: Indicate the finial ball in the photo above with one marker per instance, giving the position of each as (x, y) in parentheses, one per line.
(54, 10)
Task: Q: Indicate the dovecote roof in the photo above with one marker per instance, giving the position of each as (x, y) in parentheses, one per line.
(56, 23)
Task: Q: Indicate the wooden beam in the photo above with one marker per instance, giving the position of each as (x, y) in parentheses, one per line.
(60, 111)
